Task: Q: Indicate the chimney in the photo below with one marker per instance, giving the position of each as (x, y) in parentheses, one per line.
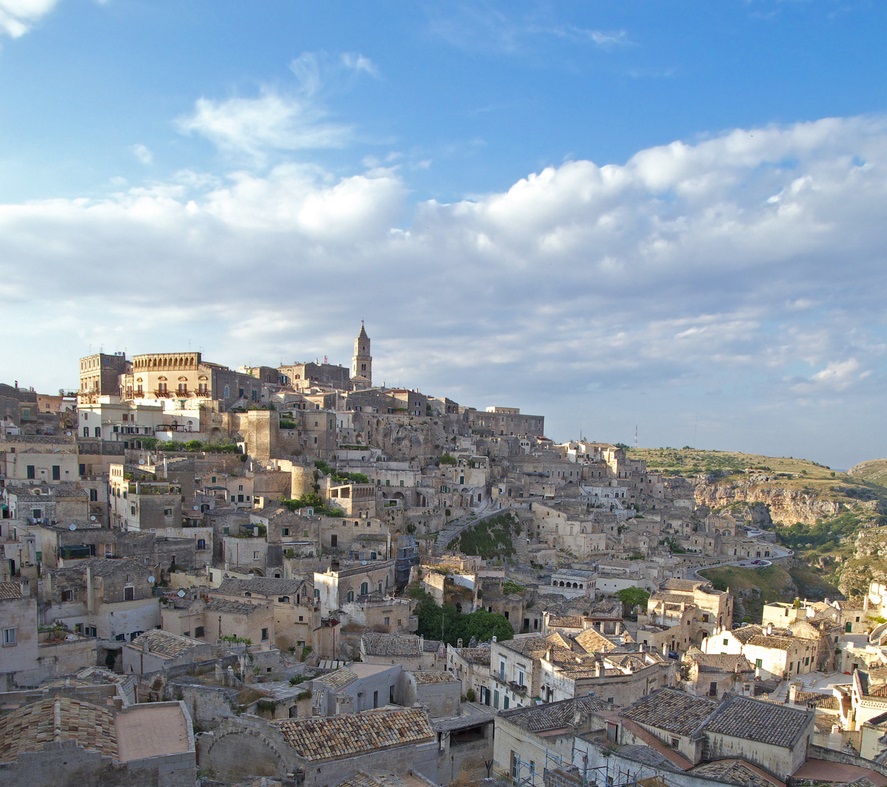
(90, 601)
(769, 630)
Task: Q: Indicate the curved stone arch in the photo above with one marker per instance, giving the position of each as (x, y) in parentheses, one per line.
(242, 751)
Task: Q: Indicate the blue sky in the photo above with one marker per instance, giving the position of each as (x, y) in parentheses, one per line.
(660, 215)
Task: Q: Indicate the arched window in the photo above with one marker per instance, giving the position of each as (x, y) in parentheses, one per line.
(350, 596)
(364, 588)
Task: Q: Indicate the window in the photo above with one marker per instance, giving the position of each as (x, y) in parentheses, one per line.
(67, 595)
(364, 588)
(286, 531)
(264, 634)
(9, 638)
(759, 662)
(198, 632)
(334, 540)
(31, 471)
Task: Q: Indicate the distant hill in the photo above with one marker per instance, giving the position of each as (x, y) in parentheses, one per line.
(874, 471)
(835, 522)
(694, 461)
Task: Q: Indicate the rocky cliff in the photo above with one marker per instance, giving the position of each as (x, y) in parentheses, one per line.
(783, 505)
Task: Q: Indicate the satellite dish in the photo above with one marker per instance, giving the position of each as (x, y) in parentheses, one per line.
(141, 461)
(72, 526)
(181, 594)
(92, 519)
(363, 562)
(151, 579)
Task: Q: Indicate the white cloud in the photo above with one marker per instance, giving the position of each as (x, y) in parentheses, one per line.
(668, 282)
(267, 123)
(279, 120)
(358, 63)
(142, 154)
(17, 17)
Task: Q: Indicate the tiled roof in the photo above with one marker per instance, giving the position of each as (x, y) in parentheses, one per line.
(553, 715)
(377, 644)
(592, 641)
(773, 641)
(164, 643)
(30, 728)
(232, 607)
(685, 585)
(721, 662)
(536, 646)
(106, 567)
(765, 722)
(434, 676)
(671, 710)
(475, 655)
(352, 734)
(336, 680)
(373, 780)
(735, 772)
(265, 586)
(565, 621)
(10, 590)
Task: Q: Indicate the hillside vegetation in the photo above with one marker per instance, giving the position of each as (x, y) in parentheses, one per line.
(835, 522)
(873, 471)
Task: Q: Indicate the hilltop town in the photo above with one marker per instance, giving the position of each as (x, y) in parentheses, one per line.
(290, 573)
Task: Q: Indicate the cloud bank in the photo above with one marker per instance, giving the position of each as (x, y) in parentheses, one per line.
(17, 17)
(744, 270)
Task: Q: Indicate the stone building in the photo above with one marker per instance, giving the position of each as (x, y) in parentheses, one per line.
(344, 583)
(71, 739)
(773, 737)
(355, 688)
(506, 421)
(38, 459)
(410, 651)
(527, 737)
(157, 650)
(362, 362)
(100, 375)
(323, 751)
(775, 653)
(104, 598)
(185, 380)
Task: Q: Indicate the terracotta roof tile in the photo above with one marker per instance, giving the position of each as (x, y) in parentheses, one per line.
(672, 711)
(353, 734)
(765, 722)
(30, 728)
(10, 590)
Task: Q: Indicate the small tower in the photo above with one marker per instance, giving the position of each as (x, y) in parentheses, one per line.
(362, 362)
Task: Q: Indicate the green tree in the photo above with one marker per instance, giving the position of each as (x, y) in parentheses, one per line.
(632, 598)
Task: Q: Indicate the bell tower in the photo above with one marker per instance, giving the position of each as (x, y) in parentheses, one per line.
(362, 362)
